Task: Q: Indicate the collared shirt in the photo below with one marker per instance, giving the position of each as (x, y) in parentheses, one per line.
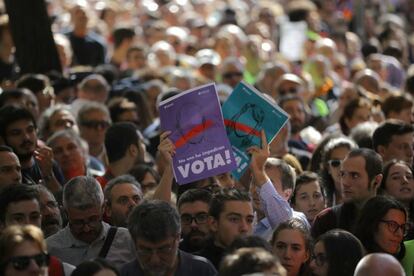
(73, 251)
(189, 265)
(276, 210)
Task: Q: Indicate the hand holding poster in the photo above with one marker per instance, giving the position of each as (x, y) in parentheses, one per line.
(197, 130)
(246, 112)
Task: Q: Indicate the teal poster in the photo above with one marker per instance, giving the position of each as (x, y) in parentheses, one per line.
(246, 112)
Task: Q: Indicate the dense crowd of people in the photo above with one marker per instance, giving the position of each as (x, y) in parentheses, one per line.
(86, 177)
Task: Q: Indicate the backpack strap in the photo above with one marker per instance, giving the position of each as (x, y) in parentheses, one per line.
(108, 242)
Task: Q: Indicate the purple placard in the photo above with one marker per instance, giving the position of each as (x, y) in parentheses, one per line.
(197, 130)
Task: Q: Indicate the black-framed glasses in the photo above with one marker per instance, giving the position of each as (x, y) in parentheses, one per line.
(22, 262)
(230, 75)
(320, 259)
(335, 163)
(96, 124)
(394, 226)
(199, 218)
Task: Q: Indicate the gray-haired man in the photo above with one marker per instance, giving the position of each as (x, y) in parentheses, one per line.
(122, 194)
(86, 236)
(155, 228)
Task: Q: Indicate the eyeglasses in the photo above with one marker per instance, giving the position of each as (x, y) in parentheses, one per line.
(230, 75)
(334, 163)
(199, 218)
(96, 124)
(393, 226)
(92, 222)
(22, 262)
(320, 259)
(165, 250)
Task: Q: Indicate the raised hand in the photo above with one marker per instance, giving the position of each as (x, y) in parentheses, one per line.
(44, 157)
(259, 154)
(166, 147)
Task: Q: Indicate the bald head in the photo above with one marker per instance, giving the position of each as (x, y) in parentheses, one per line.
(379, 264)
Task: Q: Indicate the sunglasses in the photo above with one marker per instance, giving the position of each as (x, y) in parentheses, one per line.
(232, 74)
(96, 124)
(22, 262)
(335, 163)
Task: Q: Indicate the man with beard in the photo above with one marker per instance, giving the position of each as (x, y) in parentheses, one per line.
(122, 194)
(124, 149)
(193, 209)
(49, 208)
(360, 176)
(296, 109)
(86, 236)
(155, 228)
(18, 130)
(10, 169)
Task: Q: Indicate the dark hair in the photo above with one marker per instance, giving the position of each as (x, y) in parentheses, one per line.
(139, 171)
(34, 82)
(139, 98)
(349, 111)
(409, 84)
(294, 224)
(326, 179)
(386, 170)
(224, 195)
(384, 133)
(194, 195)
(10, 114)
(119, 105)
(249, 242)
(299, 225)
(120, 34)
(316, 159)
(373, 161)
(8, 94)
(118, 138)
(370, 217)
(246, 261)
(154, 221)
(303, 179)
(396, 103)
(89, 268)
(15, 193)
(343, 251)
